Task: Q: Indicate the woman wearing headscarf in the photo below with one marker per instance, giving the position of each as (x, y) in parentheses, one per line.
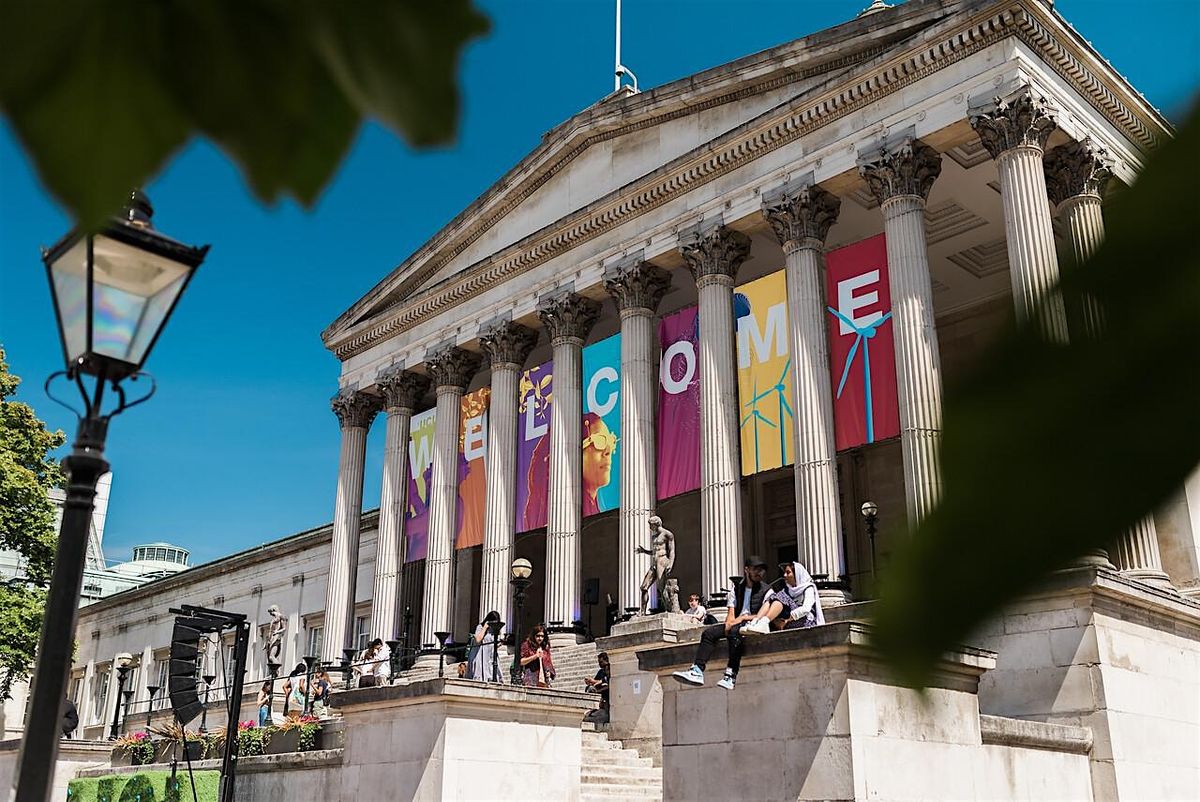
(794, 605)
(484, 662)
(537, 667)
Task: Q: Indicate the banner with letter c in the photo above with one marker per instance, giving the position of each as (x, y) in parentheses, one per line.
(862, 359)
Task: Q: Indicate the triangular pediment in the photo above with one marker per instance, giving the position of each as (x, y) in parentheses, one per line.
(627, 136)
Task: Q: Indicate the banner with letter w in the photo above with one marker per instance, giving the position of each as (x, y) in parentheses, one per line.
(862, 360)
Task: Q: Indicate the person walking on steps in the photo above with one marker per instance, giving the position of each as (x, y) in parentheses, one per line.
(743, 603)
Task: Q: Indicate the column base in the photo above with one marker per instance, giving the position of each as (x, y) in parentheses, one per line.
(1093, 558)
(834, 597)
(564, 638)
(1150, 576)
(425, 660)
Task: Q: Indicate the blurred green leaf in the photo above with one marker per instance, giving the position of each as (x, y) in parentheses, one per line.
(1050, 450)
(101, 95)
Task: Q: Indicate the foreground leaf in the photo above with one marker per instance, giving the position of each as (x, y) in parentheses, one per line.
(101, 96)
(1049, 451)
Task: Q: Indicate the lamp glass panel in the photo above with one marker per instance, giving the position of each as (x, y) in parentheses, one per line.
(132, 292)
(69, 273)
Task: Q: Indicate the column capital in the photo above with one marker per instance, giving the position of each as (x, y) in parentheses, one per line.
(639, 285)
(1077, 168)
(908, 169)
(802, 217)
(569, 317)
(716, 255)
(402, 390)
(508, 343)
(453, 368)
(1020, 120)
(356, 409)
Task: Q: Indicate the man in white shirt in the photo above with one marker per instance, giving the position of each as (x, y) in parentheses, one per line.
(695, 610)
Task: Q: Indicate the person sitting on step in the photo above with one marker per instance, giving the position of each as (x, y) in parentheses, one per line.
(745, 600)
(795, 605)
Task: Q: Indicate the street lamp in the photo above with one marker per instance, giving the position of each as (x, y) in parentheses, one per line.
(393, 659)
(494, 627)
(519, 572)
(870, 514)
(113, 292)
(208, 681)
(152, 690)
(128, 702)
(124, 664)
(442, 637)
(310, 663)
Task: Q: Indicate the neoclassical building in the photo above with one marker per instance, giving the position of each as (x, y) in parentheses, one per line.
(909, 179)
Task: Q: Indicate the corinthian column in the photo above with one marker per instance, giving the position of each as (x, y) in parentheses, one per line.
(452, 370)
(568, 318)
(401, 394)
(1076, 174)
(638, 289)
(1015, 131)
(714, 259)
(355, 411)
(507, 346)
(801, 222)
(900, 179)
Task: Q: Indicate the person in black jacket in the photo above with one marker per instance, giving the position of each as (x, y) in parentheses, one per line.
(747, 596)
(70, 718)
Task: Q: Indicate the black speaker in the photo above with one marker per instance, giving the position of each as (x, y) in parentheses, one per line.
(591, 591)
(182, 683)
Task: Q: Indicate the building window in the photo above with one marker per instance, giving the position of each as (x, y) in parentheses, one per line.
(362, 631)
(164, 669)
(316, 639)
(100, 692)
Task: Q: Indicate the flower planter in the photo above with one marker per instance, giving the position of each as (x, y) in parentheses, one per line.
(287, 741)
(194, 750)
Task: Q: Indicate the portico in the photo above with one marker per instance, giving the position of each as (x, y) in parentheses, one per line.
(942, 126)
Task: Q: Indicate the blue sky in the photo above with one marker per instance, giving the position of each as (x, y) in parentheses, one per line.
(239, 446)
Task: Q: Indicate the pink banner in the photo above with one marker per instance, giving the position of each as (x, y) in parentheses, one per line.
(679, 404)
(861, 351)
(533, 446)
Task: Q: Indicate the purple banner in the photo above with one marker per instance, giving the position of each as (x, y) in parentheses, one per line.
(417, 475)
(679, 404)
(533, 446)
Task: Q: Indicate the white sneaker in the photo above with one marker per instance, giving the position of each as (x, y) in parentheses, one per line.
(727, 682)
(693, 676)
(759, 626)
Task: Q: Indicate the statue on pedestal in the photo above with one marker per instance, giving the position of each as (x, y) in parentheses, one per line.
(662, 550)
(274, 642)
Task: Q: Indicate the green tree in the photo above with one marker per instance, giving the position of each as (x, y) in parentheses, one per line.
(27, 472)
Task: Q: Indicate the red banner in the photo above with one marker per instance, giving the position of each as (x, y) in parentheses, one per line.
(862, 360)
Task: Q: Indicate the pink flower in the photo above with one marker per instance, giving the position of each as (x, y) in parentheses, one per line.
(247, 725)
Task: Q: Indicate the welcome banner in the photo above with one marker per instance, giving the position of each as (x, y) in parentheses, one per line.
(861, 352)
(472, 468)
(533, 446)
(420, 466)
(679, 404)
(765, 416)
(601, 472)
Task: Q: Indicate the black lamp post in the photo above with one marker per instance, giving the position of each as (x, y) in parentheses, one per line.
(310, 663)
(124, 663)
(870, 514)
(494, 627)
(153, 691)
(128, 702)
(393, 659)
(348, 666)
(113, 292)
(407, 636)
(209, 679)
(519, 574)
(442, 637)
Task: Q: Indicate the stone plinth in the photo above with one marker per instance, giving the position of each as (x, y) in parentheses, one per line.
(815, 715)
(458, 739)
(73, 756)
(1094, 648)
(635, 694)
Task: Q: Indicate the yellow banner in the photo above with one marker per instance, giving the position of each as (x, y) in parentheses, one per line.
(765, 416)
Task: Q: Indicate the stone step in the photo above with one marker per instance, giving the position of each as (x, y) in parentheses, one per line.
(627, 775)
(607, 758)
(610, 791)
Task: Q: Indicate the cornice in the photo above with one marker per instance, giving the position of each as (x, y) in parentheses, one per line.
(1025, 20)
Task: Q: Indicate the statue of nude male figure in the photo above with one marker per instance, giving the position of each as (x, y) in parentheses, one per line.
(662, 542)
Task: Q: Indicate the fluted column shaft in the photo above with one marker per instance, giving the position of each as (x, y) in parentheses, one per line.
(1076, 174)
(355, 411)
(569, 319)
(401, 394)
(638, 290)
(901, 180)
(801, 223)
(452, 370)
(714, 260)
(508, 346)
(1015, 131)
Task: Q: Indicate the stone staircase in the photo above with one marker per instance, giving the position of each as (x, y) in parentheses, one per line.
(612, 772)
(572, 663)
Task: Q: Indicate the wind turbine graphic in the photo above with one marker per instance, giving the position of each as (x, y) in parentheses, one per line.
(863, 338)
(758, 417)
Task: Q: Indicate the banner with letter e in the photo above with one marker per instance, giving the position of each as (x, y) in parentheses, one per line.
(862, 359)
